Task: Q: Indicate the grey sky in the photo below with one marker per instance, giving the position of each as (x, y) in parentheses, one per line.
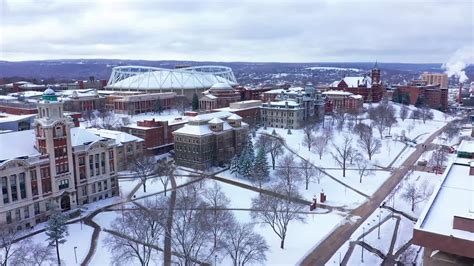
(230, 30)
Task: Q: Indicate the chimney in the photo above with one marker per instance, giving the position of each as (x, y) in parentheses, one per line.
(460, 94)
(471, 168)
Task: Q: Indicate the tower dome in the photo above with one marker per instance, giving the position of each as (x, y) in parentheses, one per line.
(49, 95)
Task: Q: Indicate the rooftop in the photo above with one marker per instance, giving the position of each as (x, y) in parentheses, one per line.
(23, 141)
(466, 146)
(453, 197)
(118, 136)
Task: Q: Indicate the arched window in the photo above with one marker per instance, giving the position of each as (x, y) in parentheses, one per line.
(59, 131)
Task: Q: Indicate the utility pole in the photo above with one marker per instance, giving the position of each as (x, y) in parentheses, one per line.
(362, 247)
(75, 254)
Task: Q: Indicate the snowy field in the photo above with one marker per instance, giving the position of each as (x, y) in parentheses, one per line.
(405, 227)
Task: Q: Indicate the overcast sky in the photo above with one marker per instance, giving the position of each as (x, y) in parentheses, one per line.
(230, 30)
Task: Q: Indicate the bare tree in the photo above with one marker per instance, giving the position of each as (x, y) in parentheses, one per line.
(390, 120)
(244, 246)
(272, 144)
(192, 237)
(415, 194)
(343, 153)
(438, 158)
(165, 170)
(363, 168)
(31, 253)
(319, 175)
(426, 114)
(135, 234)
(382, 116)
(362, 128)
(144, 168)
(308, 170)
(340, 117)
(416, 114)
(8, 234)
(109, 120)
(404, 112)
(308, 140)
(320, 143)
(288, 173)
(452, 130)
(369, 144)
(219, 219)
(276, 212)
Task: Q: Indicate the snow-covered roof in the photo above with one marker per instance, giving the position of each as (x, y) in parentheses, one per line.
(81, 136)
(12, 118)
(332, 92)
(234, 117)
(137, 77)
(354, 82)
(17, 144)
(453, 197)
(221, 86)
(118, 136)
(215, 120)
(209, 116)
(466, 146)
(284, 103)
(197, 130)
(49, 91)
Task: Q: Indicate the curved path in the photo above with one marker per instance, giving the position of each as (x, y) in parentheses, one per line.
(324, 251)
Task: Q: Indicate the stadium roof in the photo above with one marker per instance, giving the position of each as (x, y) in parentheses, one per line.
(152, 78)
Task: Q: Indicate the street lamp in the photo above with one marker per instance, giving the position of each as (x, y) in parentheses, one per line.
(362, 247)
(378, 232)
(340, 262)
(75, 254)
(215, 260)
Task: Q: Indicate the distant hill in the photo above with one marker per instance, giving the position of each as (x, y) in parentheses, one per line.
(70, 69)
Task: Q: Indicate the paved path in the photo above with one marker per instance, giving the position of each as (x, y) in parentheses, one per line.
(325, 250)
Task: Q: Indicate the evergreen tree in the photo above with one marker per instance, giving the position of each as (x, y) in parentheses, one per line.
(261, 171)
(234, 164)
(57, 230)
(247, 158)
(195, 102)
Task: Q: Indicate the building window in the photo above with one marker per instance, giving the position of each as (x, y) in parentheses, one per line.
(84, 190)
(112, 182)
(5, 189)
(64, 184)
(34, 183)
(111, 166)
(22, 185)
(17, 215)
(105, 184)
(97, 170)
(102, 162)
(13, 187)
(91, 165)
(26, 212)
(99, 184)
(9, 217)
(59, 131)
(47, 205)
(81, 160)
(37, 208)
(111, 154)
(93, 188)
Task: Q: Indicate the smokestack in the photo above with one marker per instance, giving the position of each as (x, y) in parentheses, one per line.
(460, 94)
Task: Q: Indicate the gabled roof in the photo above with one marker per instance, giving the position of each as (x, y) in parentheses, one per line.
(17, 144)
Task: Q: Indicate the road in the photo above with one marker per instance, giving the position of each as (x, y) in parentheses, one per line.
(325, 250)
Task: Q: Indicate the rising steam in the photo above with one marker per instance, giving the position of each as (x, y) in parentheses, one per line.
(458, 62)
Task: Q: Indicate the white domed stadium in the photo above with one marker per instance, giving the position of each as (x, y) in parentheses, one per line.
(183, 81)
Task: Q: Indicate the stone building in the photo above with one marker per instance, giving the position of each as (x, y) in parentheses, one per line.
(82, 100)
(283, 114)
(142, 103)
(209, 140)
(55, 163)
(218, 96)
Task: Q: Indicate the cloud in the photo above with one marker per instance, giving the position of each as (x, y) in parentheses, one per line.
(281, 30)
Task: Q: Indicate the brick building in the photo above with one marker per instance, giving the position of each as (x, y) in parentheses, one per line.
(157, 135)
(418, 92)
(370, 87)
(142, 103)
(342, 99)
(209, 140)
(249, 110)
(82, 100)
(218, 96)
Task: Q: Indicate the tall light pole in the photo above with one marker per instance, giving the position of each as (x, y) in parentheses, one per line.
(362, 247)
(378, 232)
(75, 254)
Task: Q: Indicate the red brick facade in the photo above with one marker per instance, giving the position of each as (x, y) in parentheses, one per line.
(420, 92)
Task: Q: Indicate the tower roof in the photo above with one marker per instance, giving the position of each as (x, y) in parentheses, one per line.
(49, 95)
